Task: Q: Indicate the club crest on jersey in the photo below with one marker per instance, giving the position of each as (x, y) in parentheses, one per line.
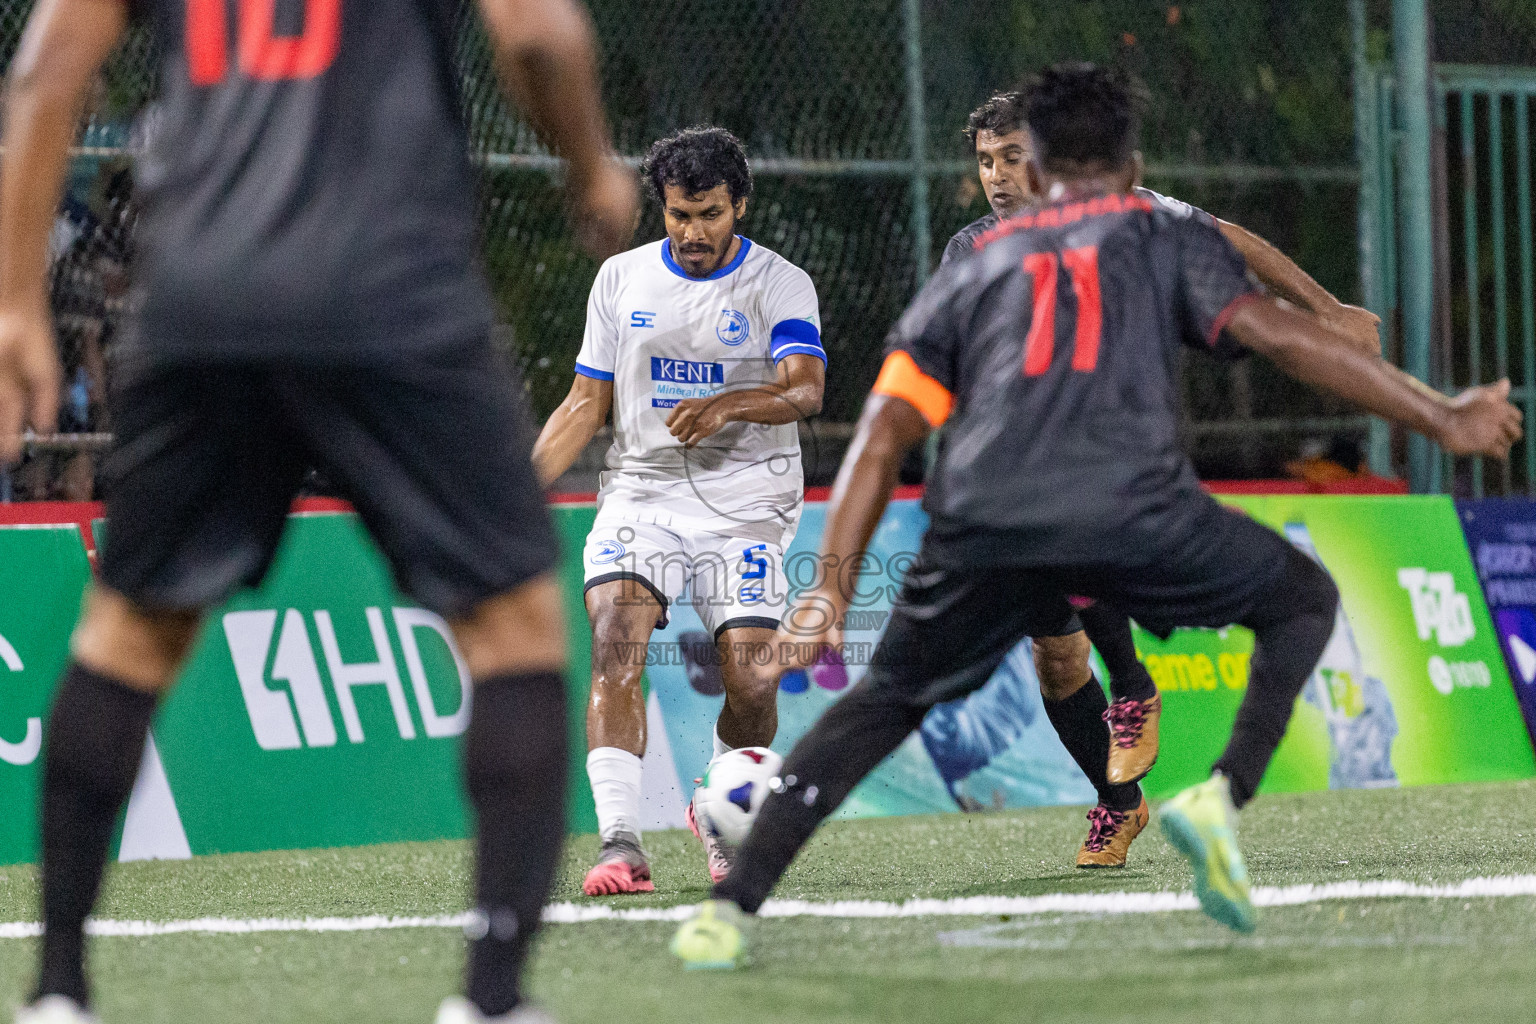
(733, 328)
(607, 551)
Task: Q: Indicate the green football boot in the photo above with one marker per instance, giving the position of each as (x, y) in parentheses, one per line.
(711, 939)
(1201, 823)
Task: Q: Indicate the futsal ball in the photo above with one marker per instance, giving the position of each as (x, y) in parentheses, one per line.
(733, 790)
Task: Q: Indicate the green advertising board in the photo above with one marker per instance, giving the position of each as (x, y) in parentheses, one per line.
(1412, 688)
(43, 572)
(320, 709)
(324, 708)
(264, 755)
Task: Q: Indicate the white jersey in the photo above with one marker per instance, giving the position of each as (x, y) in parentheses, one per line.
(662, 336)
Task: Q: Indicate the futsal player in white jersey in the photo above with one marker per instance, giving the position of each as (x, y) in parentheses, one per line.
(707, 349)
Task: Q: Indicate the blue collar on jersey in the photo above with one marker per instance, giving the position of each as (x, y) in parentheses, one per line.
(741, 255)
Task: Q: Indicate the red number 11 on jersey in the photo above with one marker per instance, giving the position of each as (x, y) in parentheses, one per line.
(263, 56)
(1040, 344)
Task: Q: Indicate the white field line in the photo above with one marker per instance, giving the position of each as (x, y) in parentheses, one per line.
(972, 906)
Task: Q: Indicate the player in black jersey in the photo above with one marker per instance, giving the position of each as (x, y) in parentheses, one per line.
(996, 133)
(1051, 354)
(308, 295)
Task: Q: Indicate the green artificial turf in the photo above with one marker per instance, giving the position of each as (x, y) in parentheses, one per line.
(1399, 960)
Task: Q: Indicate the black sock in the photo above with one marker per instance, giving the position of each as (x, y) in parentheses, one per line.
(1079, 721)
(95, 741)
(1290, 629)
(1109, 630)
(515, 771)
(845, 745)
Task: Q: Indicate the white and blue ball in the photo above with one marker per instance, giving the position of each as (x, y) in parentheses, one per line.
(732, 792)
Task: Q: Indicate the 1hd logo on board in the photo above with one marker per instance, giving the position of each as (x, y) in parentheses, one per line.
(249, 635)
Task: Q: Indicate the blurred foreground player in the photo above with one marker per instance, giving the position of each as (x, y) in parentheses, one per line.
(997, 135)
(1051, 355)
(309, 296)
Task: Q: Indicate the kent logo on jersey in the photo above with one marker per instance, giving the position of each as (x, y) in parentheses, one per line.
(677, 379)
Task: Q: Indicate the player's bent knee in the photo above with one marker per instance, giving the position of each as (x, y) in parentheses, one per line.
(1061, 662)
(622, 611)
(140, 647)
(519, 631)
(1315, 589)
(1316, 601)
(753, 687)
(749, 668)
(618, 653)
(621, 634)
(1303, 589)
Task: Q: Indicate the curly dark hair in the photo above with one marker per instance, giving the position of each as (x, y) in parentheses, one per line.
(1000, 115)
(696, 160)
(1082, 114)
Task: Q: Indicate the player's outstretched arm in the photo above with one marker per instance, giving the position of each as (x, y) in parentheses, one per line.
(65, 44)
(545, 54)
(888, 429)
(794, 396)
(571, 427)
(1281, 275)
(1480, 421)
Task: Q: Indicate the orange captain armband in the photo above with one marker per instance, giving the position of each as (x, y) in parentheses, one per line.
(902, 378)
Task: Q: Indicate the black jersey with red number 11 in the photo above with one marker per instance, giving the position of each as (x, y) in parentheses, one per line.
(1050, 358)
(307, 189)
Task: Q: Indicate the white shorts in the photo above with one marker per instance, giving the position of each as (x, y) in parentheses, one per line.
(732, 582)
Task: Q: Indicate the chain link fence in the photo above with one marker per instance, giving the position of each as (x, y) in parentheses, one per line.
(851, 112)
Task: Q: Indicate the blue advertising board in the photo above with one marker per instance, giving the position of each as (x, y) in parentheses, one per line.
(1501, 534)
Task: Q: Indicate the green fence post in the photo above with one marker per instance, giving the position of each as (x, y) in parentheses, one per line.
(1500, 271)
(1410, 57)
(1470, 256)
(1367, 233)
(1387, 201)
(1527, 300)
(917, 120)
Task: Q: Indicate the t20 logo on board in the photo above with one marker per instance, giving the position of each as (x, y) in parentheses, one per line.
(1442, 611)
(1439, 609)
(249, 635)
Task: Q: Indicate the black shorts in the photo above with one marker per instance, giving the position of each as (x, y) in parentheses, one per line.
(433, 451)
(953, 624)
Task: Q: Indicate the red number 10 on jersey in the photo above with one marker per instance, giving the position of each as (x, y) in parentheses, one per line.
(262, 55)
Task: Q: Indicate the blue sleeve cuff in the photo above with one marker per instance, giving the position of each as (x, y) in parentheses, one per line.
(593, 372)
(785, 351)
(795, 338)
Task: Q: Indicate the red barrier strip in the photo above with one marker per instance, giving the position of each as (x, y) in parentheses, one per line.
(82, 514)
(1358, 485)
(56, 513)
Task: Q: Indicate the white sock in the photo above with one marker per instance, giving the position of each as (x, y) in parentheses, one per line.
(720, 745)
(615, 778)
